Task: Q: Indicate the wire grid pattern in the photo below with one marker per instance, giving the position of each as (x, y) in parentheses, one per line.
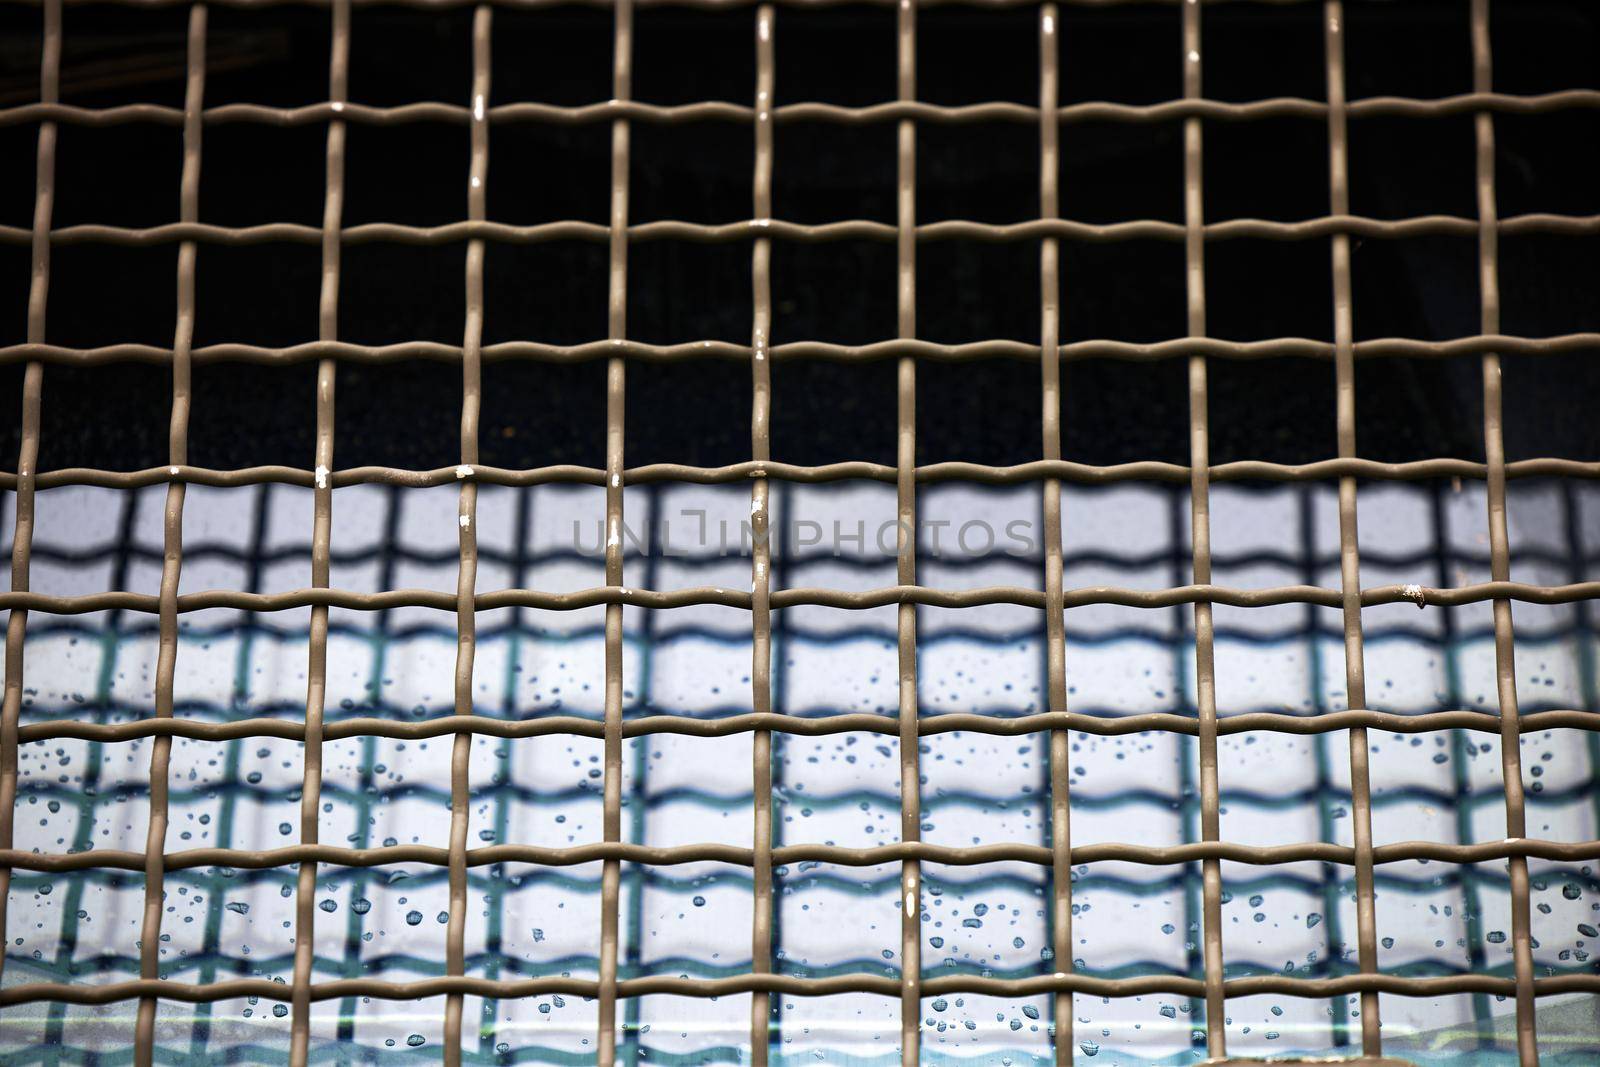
(681, 674)
(608, 988)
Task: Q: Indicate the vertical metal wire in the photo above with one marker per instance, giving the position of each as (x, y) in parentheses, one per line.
(467, 575)
(327, 379)
(1499, 544)
(906, 517)
(172, 559)
(28, 454)
(616, 411)
(1349, 541)
(1054, 611)
(761, 549)
(321, 540)
(1200, 533)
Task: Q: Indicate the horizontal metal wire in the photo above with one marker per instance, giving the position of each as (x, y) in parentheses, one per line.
(846, 230)
(803, 725)
(589, 351)
(882, 985)
(931, 473)
(1151, 855)
(1419, 595)
(869, 114)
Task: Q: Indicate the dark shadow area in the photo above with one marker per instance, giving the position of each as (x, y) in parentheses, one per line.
(407, 414)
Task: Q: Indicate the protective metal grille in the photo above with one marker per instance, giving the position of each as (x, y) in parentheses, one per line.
(761, 599)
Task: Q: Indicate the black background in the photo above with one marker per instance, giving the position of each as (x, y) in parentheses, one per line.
(407, 414)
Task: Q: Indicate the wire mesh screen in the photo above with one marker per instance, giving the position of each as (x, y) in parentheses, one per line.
(600, 756)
